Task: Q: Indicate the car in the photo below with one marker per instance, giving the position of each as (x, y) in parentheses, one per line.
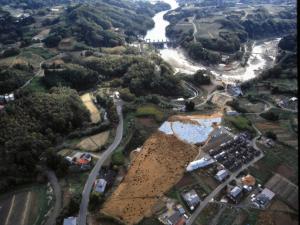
(253, 195)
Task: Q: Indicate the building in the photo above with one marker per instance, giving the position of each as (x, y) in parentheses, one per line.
(248, 180)
(70, 221)
(232, 113)
(221, 175)
(203, 162)
(100, 185)
(191, 198)
(264, 198)
(235, 194)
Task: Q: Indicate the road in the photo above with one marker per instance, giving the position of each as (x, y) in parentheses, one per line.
(210, 197)
(51, 220)
(93, 174)
(195, 29)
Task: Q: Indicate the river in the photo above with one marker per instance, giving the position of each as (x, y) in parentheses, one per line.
(227, 73)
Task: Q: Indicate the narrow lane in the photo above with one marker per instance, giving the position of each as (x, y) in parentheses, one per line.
(93, 174)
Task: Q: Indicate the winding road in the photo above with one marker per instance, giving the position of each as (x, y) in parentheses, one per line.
(93, 175)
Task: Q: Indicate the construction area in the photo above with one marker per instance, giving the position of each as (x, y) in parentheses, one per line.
(159, 165)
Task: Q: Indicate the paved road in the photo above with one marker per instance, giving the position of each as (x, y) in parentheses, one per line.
(58, 198)
(195, 29)
(92, 177)
(203, 204)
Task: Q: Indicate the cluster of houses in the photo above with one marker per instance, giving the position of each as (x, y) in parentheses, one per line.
(83, 161)
(4, 99)
(289, 103)
(175, 214)
(234, 153)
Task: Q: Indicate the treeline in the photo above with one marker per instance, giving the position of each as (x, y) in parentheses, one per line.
(12, 78)
(31, 125)
(13, 29)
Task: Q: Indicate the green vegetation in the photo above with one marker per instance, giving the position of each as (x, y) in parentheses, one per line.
(11, 79)
(150, 110)
(201, 77)
(33, 123)
(118, 158)
(36, 85)
(96, 199)
(71, 75)
(241, 123)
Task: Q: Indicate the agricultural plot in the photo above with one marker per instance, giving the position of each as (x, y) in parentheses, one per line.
(94, 142)
(94, 112)
(24, 208)
(208, 28)
(252, 107)
(287, 191)
(282, 129)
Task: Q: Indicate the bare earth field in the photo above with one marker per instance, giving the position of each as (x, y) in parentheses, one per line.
(94, 142)
(87, 100)
(285, 189)
(160, 165)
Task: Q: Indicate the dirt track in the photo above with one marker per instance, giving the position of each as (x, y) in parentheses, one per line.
(160, 164)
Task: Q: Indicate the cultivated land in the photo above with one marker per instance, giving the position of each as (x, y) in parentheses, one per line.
(94, 142)
(159, 165)
(88, 102)
(26, 207)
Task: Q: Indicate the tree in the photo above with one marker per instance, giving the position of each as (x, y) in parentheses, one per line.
(189, 106)
(96, 199)
(201, 78)
(270, 115)
(272, 135)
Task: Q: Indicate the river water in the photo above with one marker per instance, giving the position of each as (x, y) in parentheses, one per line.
(227, 73)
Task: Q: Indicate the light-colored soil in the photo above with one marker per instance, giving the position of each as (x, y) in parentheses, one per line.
(87, 100)
(160, 164)
(94, 142)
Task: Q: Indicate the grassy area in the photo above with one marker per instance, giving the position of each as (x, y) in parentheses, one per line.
(43, 52)
(76, 181)
(208, 213)
(42, 204)
(151, 111)
(252, 217)
(118, 157)
(36, 85)
(241, 123)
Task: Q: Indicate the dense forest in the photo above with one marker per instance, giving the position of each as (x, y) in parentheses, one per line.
(107, 23)
(33, 123)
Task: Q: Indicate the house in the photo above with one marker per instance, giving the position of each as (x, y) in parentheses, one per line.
(264, 198)
(191, 198)
(235, 194)
(70, 221)
(180, 209)
(248, 180)
(232, 113)
(174, 218)
(221, 175)
(100, 185)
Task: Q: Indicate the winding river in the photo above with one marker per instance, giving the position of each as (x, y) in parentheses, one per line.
(228, 73)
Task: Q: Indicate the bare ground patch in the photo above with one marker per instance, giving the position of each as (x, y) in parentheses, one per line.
(160, 164)
(95, 114)
(94, 142)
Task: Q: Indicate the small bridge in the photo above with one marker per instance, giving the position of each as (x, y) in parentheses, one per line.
(160, 43)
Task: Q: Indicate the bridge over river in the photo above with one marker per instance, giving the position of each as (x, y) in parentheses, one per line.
(160, 43)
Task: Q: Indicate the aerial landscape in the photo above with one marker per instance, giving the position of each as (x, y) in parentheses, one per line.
(148, 112)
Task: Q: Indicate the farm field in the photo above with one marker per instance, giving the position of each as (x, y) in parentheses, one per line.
(285, 189)
(94, 142)
(88, 102)
(25, 207)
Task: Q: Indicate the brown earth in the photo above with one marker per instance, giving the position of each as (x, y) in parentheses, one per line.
(160, 164)
(285, 171)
